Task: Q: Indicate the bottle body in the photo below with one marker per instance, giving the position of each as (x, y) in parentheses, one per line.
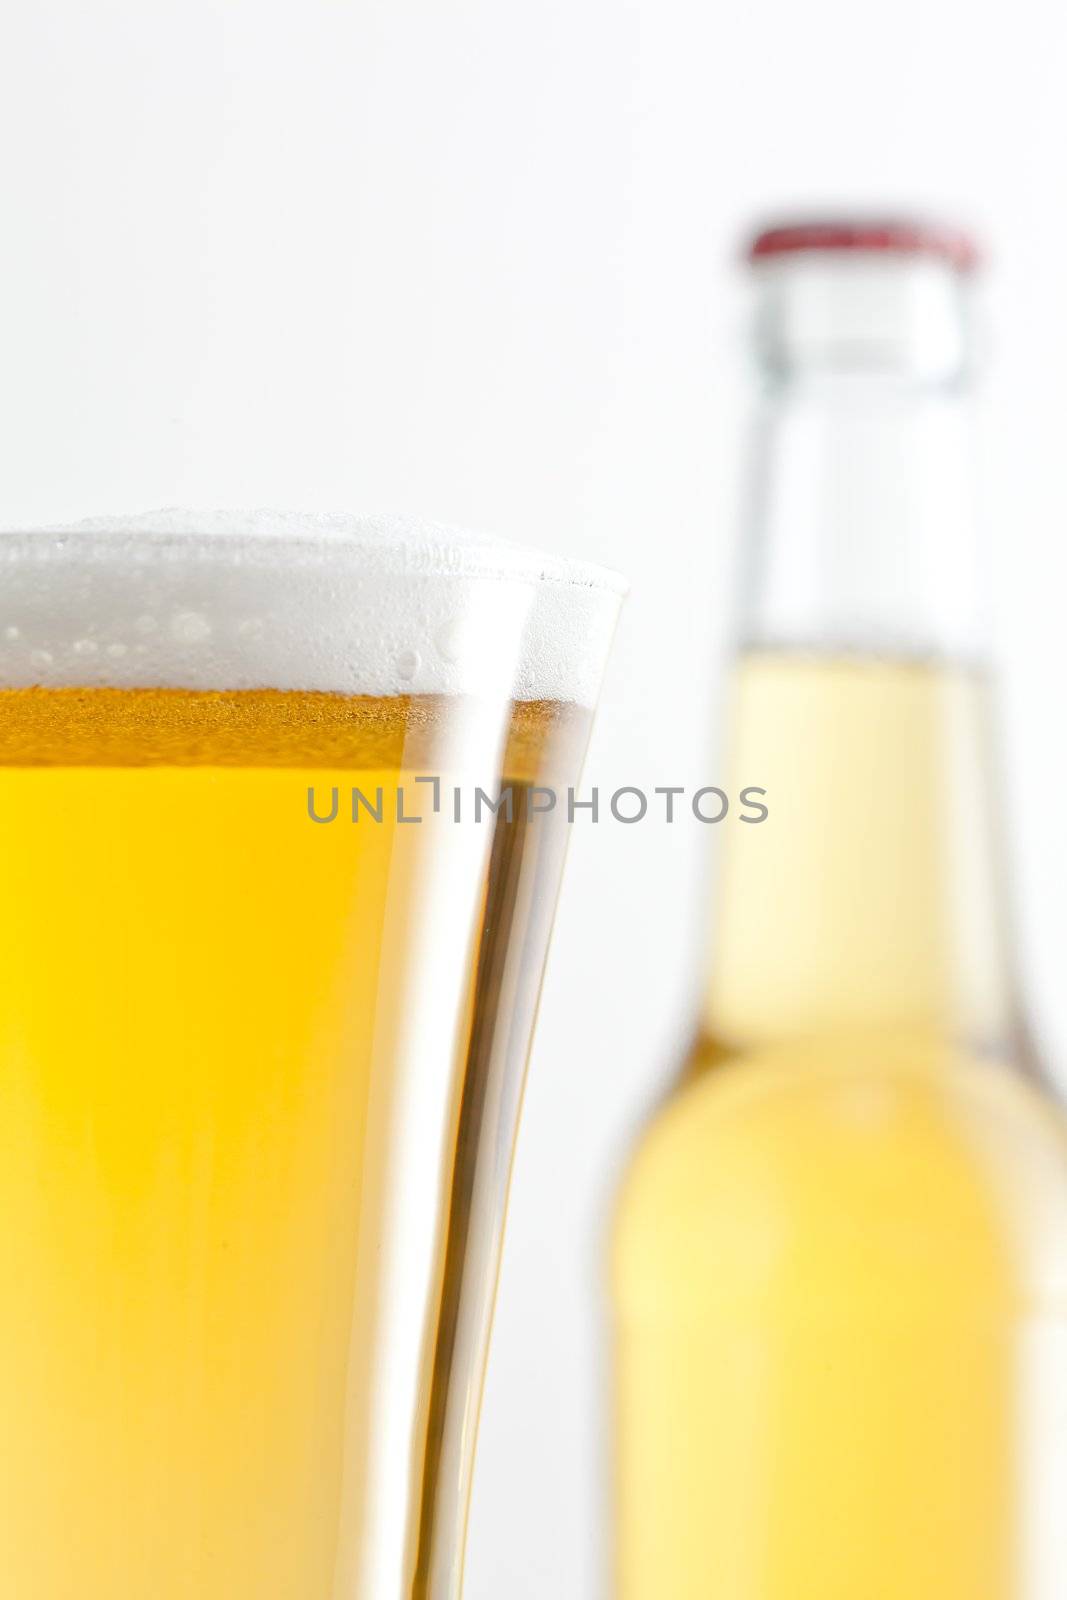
(839, 1259)
(840, 1254)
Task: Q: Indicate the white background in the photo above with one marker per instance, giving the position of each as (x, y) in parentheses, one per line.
(476, 259)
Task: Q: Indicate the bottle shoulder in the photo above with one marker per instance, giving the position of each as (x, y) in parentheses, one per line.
(852, 1161)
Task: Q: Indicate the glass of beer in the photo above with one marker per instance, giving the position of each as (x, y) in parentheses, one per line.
(282, 816)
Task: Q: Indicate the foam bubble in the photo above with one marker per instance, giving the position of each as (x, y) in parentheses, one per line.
(190, 627)
(359, 605)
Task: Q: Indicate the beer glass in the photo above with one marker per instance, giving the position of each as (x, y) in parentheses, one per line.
(282, 817)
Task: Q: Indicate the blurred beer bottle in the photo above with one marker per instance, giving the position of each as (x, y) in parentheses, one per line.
(840, 1254)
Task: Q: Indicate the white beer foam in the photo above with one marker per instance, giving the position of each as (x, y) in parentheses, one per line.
(290, 600)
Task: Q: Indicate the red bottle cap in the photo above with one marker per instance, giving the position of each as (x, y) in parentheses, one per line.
(898, 236)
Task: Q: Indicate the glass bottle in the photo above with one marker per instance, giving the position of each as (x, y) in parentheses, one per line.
(840, 1251)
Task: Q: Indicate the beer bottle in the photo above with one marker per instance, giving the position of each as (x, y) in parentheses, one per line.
(840, 1252)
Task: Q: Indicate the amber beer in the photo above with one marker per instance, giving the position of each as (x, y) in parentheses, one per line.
(252, 1065)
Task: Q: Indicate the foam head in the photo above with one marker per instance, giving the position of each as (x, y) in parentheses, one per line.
(354, 605)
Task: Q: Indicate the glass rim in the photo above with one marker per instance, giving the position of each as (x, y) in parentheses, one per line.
(365, 606)
(272, 539)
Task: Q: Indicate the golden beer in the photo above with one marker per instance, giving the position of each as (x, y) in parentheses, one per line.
(252, 1058)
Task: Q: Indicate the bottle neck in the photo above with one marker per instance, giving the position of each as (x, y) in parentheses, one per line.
(862, 531)
(869, 899)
